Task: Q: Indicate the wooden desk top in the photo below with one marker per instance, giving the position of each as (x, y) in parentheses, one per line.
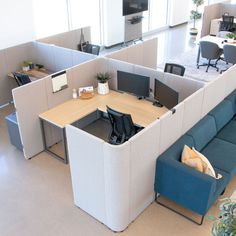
(142, 111)
(34, 74)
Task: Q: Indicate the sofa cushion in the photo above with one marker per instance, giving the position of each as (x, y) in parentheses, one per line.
(203, 132)
(232, 98)
(228, 133)
(175, 150)
(222, 155)
(222, 113)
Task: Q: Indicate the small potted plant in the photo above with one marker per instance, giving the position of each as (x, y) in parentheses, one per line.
(225, 223)
(195, 15)
(103, 78)
(231, 37)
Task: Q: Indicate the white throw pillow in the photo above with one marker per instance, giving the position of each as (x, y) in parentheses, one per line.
(208, 167)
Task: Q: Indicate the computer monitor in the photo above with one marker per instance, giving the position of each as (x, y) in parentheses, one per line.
(165, 95)
(138, 85)
(59, 81)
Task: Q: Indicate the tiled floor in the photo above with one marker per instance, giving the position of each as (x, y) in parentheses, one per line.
(37, 200)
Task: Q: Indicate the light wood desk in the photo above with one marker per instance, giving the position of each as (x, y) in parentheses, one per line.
(142, 111)
(34, 74)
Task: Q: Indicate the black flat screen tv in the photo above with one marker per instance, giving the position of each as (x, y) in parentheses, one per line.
(134, 6)
(165, 95)
(138, 85)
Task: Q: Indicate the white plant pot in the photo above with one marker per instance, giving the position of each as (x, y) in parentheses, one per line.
(103, 88)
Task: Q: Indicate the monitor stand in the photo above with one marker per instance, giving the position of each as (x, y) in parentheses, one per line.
(157, 104)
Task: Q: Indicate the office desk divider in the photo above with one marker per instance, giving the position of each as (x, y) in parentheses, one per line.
(143, 54)
(69, 39)
(123, 175)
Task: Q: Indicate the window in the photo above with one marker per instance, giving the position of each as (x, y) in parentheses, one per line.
(50, 17)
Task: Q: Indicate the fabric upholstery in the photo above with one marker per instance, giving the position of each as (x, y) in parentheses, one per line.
(203, 132)
(222, 113)
(232, 98)
(221, 154)
(228, 133)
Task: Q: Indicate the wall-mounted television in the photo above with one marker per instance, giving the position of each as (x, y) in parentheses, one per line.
(134, 6)
(59, 81)
(138, 85)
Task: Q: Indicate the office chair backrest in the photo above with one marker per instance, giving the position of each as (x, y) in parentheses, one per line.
(122, 125)
(174, 69)
(210, 50)
(91, 48)
(230, 53)
(227, 23)
(21, 79)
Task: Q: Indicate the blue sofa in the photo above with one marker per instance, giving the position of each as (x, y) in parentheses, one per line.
(215, 137)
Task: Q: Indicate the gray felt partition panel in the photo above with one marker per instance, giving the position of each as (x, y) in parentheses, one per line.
(81, 57)
(30, 100)
(228, 7)
(63, 58)
(211, 12)
(69, 39)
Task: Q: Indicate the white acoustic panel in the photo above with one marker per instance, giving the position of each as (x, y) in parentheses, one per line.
(54, 40)
(45, 56)
(63, 58)
(85, 74)
(171, 127)
(117, 185)
(68, 40)
(184, 86)
(30, 100)
(144, 150)
(214, 93)
(87, 172)
(135, 54)
(103, 65)
(121, 55)
(81, 57)
(192, 110)
(6, 83)
(230, 80)
(15, 56)
(114, 66)
(150, 53)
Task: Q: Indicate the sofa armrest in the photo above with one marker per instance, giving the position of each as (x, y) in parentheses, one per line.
(184, 185)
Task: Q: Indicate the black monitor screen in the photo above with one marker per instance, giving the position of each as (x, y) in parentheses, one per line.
(138, 85)
(134, 6)
(165, 95)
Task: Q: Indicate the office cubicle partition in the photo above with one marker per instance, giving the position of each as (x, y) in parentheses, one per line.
(69, 39)
(215, 11)
(143, 54)
(122, 177)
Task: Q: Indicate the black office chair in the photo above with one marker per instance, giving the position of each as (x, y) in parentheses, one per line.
(122, 126)
(227, 24)
(174, 69)
(229, 54)
(89, 48)
(21, 79)
(210, 51)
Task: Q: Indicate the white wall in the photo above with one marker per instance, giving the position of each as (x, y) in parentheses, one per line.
(16, 22)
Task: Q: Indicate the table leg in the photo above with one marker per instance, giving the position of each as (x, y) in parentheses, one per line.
(198, 55)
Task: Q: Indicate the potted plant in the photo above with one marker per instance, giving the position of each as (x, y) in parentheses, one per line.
(231, 37)
(195, 15)
(25, 66)
(103, 78)
(225, 223)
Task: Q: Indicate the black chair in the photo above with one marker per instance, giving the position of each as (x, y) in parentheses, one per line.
(122, 126)
(227, 24)
(174, 69)
(210, 51)
(21, 79)
(229, 54)
(89, 48)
